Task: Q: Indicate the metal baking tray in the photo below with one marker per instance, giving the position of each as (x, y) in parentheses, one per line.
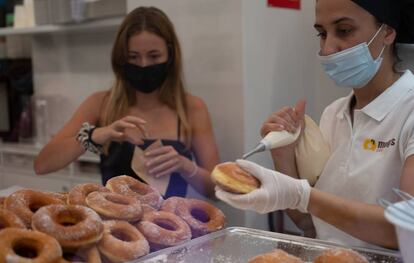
(238, 245)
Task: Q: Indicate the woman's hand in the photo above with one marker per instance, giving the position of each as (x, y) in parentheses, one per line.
(129, 128)
(165, 160)
(288, 119)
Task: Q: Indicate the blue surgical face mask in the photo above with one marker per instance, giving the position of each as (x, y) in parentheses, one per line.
(353, 67)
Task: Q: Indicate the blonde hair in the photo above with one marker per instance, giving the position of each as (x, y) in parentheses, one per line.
(172, 92)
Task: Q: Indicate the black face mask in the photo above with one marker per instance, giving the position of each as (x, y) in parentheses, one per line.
(146, 79)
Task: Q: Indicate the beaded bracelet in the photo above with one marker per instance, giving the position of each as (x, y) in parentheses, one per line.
(85, 138)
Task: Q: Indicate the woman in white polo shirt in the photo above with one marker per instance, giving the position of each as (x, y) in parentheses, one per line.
(370, 132)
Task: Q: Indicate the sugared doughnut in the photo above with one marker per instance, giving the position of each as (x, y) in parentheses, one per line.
(73, 226)
(2, 199)
(115, 206)
(276, 256)
(21, 245)
(122, 242)
(231, 178)
(340, 255)
(202, 217)
(61, 195)
(9, 219)
(26, 202)
(170, 204)
(126, 185)
(79, 192)
(163, 229)
(87, 255)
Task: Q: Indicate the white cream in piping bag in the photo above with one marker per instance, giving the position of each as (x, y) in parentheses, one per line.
(274, 139)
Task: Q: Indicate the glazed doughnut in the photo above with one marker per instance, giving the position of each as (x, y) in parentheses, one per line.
(26, 202)
(231, 178)
(88, 255)
(115, 206)
(163, 229)
(276, 256)
(122, 242)
(73, 226)
(202, 217)
(9, 219)
(22, 245)
(340, 255)
(126, 185)
(78, 193)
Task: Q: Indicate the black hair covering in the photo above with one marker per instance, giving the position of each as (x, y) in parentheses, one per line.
(398, 14)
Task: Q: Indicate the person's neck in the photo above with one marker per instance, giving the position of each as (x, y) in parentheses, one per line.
(149, 101)
(382, 81)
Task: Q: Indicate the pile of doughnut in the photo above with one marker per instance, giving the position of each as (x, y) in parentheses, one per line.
(120, 222)
(334, 255)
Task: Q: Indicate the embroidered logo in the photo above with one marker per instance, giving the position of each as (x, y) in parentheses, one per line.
(377, 146)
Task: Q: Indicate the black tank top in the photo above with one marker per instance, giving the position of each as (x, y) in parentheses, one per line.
(118, 162)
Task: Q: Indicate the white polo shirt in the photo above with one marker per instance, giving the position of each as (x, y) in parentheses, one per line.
(367, 157)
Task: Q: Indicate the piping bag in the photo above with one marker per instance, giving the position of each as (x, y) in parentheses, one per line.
(274, 139)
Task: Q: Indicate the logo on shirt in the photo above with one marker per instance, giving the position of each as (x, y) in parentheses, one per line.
(377, 146)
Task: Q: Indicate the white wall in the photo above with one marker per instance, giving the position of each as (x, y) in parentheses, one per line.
(279, 68)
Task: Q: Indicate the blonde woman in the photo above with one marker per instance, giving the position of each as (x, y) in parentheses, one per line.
(147, 102)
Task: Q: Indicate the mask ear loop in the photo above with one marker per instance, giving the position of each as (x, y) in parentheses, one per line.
(376, 34)
(372, 39)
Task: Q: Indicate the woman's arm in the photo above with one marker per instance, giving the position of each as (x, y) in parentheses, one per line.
(63, 148)
(203, 145)
(363, 221)
(284, 160)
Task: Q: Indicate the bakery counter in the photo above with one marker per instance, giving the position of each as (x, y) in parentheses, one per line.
(238, 245)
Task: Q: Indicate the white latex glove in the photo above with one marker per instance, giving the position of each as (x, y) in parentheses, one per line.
(277, 191)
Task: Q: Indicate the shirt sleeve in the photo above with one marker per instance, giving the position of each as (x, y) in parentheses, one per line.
(407, 139)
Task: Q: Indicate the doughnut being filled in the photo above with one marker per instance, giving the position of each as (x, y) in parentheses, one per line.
(9, 219)
(122, 242)
(115, 206)
(163, 229)
(24, 203)
(21, 245)
(126, 185)
(73, 226)
(78, 193)
(340, 255)
(276, 256)
(231, 178)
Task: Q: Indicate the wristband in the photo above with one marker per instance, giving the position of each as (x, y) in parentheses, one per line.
(85, 138)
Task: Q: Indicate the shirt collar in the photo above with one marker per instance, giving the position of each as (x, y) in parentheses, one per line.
(385, 102)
